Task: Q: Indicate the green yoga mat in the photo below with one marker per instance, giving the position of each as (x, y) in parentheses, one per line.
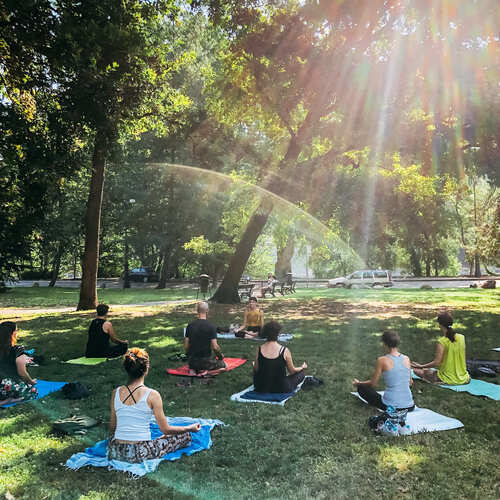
(86, 361)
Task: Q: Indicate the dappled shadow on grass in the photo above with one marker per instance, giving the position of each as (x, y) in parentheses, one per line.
(33, 461)
(319, 441)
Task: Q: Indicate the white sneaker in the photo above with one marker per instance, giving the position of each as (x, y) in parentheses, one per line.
(404, 430)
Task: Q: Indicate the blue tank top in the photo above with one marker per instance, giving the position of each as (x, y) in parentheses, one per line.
(397, 384)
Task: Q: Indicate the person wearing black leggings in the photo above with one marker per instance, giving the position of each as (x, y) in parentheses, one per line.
(396, 370)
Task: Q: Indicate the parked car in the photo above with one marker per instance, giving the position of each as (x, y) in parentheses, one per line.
(144, 274)
(369, 277)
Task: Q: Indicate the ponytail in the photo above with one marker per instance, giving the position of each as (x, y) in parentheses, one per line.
(446, 321)
(450, 333)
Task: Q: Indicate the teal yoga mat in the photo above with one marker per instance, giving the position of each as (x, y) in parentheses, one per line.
(475, 387)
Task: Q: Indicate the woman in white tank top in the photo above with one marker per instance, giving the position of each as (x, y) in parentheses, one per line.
(132, 407)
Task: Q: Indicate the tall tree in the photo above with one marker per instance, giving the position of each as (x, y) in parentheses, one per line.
(113, 62)
(288, 67)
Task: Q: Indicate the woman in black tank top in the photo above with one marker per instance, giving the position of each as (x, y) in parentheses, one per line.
(270, 371)
(98, 341)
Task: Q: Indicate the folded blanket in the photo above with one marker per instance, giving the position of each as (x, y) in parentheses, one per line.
(424, 420)
(96, 455)
(249, 395)
(283, 337)
(86, 361)
(183, 371)
(43, 387)
(475, 387)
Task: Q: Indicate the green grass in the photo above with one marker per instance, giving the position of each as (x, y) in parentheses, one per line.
(67, 297)
(317, 446)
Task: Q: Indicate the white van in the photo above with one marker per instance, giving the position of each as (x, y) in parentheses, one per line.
(365, 278)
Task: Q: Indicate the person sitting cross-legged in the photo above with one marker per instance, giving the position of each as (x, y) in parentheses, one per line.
(132, 407)
(396, 370)
(100, 333)
(200, 343)
(253, 321)
(450, 359)
(272, 360)
(16, 384)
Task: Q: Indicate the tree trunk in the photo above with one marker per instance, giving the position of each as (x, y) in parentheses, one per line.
(284, 261)
(227, 293)
(56, 264)
(88, 287)
(164, 270)
(427, 268)
(477, 266)
(415, 265)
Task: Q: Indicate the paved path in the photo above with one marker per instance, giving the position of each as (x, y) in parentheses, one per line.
(16, 312)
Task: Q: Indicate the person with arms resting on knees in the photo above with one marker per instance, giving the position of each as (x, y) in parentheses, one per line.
(272, 360)
(200, 341)
(100, 333)
(253, 321)
(449, 359)
(396, 370)
(132, 407)
(16, 383)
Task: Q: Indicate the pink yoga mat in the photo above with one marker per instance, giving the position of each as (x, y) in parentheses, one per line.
(231, 363)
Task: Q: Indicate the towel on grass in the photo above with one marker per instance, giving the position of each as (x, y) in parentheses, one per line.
(183, 371)
(283, 337)
(87, 361)
(249, 395)
(96, 455)
(43, 387)
(424, 420)
(475, 387)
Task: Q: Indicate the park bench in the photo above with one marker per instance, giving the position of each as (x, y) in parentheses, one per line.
(288, 287)
(245, 290)
(272, 291)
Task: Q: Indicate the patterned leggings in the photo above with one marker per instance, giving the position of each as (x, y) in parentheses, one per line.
(146, 450)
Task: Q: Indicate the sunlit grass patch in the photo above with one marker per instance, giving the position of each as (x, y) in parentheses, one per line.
(400, 458)
(319, 441)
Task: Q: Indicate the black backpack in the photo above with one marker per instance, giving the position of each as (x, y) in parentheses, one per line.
(75, 390)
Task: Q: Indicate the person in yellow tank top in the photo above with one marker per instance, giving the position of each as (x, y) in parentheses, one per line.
(449, 359)
(253, 321)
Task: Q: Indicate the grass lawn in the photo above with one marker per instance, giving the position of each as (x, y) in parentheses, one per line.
(317, 446)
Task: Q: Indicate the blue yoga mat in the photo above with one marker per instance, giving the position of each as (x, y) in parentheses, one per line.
(43, 387)
(96, 455)
(475, 387)
(267, 396)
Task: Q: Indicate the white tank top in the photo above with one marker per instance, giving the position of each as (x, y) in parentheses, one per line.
(132, 421)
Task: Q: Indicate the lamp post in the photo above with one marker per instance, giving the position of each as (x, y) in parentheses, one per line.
(126, 277)
(474, 177)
